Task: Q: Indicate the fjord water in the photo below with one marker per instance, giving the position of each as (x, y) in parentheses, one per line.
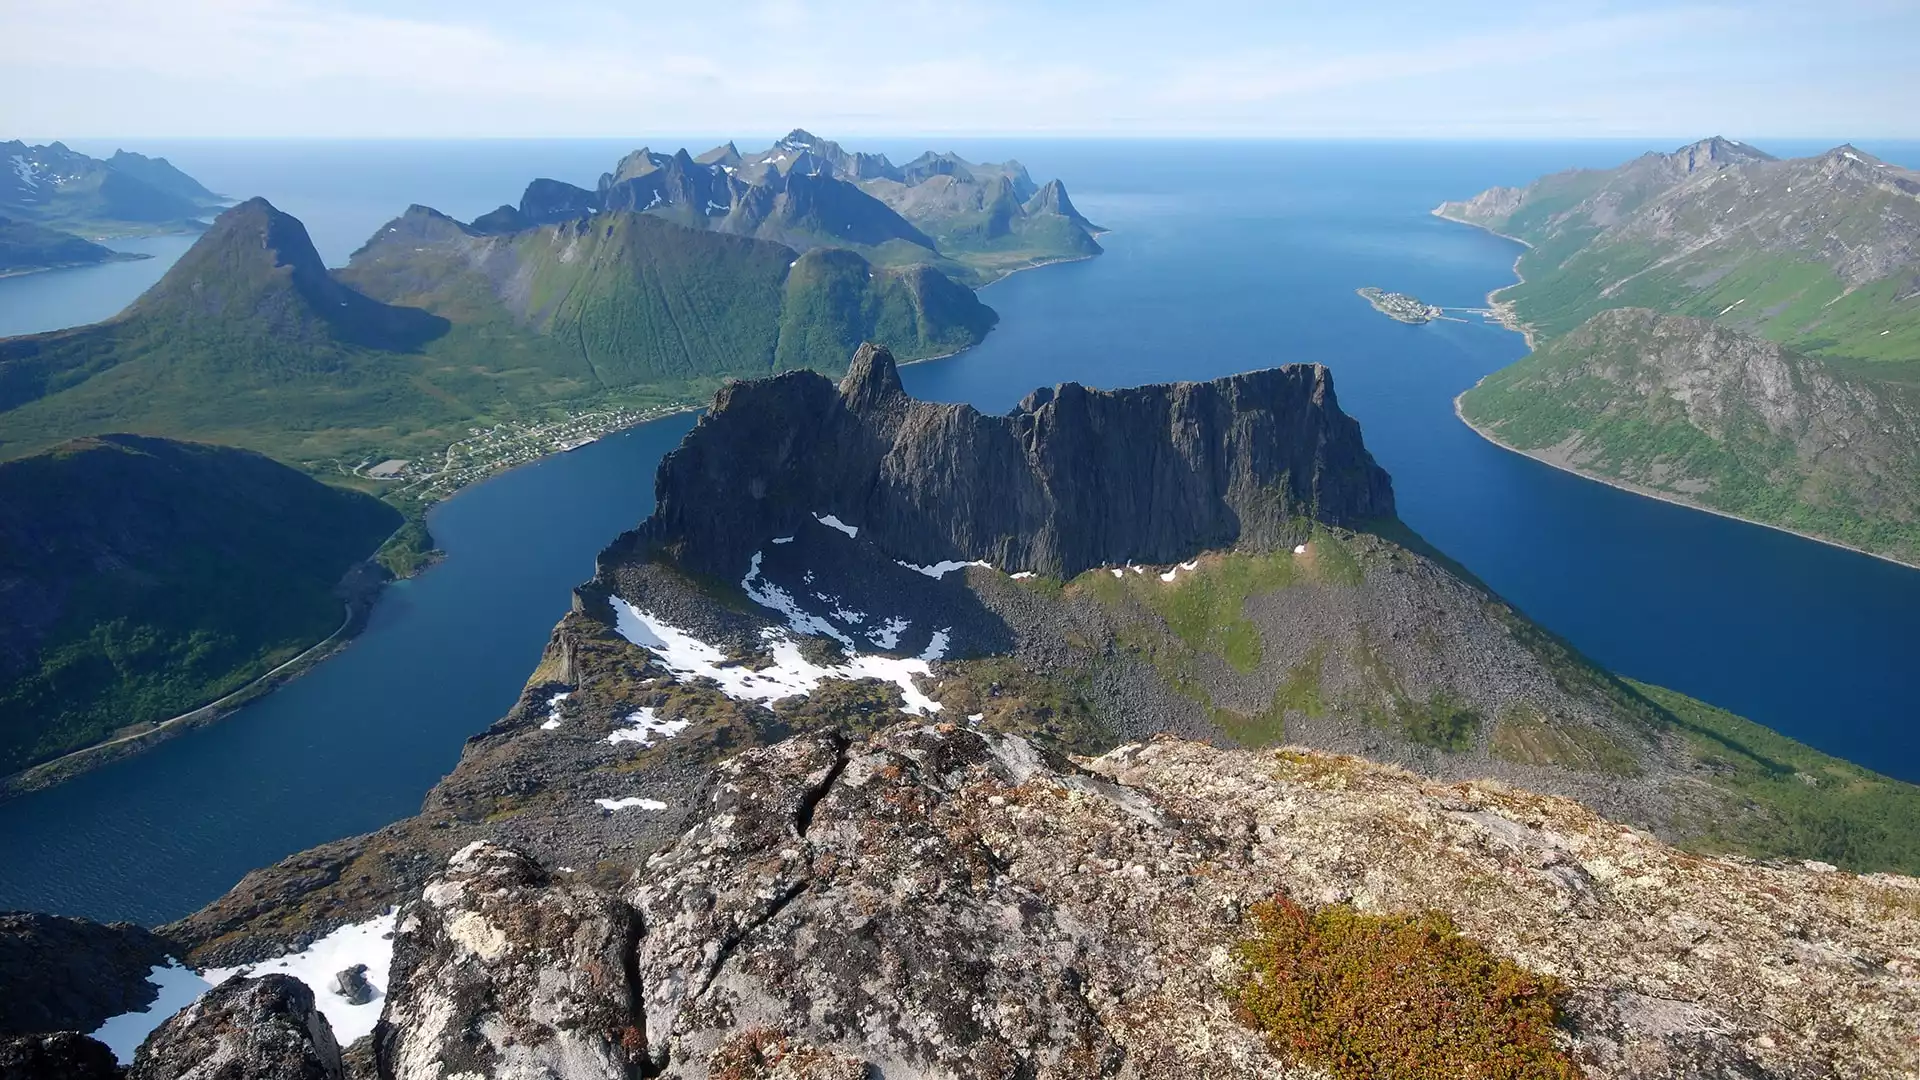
(1224, 257)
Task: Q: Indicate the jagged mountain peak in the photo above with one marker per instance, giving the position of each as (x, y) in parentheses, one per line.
(872, 379)
(724, 154)
(253, 238)
(1713, 153)
(256, 273)
(1053, 199)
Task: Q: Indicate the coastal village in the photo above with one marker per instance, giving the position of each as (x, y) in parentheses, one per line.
(505, 445)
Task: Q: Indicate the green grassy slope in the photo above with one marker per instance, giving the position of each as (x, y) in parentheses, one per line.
(1721, 419)
(434, 328)
(145, 577)
(247, 340)
(1288, 625)
(1815, 254)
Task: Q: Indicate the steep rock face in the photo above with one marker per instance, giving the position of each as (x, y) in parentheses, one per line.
(63, 1055)
(243, 1029)
(500, 972)
(59, 974)
(938, 903)
(1073, 478)
(1052, 199)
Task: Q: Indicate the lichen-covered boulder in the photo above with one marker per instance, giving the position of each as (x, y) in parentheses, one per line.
(939, 903)
(500, 972)
(243, 1029)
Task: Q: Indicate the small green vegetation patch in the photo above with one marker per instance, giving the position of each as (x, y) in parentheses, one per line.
(1206, 607)
(1442, 720)
(1525, 735)
(1790, 800)
(1366, 996)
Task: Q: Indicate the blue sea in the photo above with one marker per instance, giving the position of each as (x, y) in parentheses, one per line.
(1224, 256)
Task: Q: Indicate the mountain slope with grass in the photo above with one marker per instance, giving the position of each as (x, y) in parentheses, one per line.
(141, 578)
(1819, 253)
(247, 340)
(639, 299)
(1722, 419)
(1767, 366)
(436, 326)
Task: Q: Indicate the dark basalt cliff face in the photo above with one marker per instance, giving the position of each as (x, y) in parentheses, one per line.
(1071, 479)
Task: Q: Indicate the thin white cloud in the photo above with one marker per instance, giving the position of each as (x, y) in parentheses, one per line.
(598, 67)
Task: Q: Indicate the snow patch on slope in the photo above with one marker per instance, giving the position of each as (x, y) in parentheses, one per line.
(789, 675)
(647, 726)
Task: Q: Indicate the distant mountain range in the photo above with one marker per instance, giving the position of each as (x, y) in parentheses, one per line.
(975, 222)
(670, 278)
(1768, 367)
(1821, 253)
(434, 326)
(126, 193)
(48, 192)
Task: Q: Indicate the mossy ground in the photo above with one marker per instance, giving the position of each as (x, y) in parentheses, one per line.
(1367, 996)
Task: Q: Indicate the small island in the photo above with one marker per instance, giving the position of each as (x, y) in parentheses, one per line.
(1399, 306)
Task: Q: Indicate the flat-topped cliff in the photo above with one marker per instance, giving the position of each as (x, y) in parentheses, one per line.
(1071, 479)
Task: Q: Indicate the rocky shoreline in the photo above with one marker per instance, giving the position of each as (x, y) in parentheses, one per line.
(360, 590)
(1546, 458)
(1503, 312)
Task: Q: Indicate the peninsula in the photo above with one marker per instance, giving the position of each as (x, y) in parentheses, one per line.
(1399, 306)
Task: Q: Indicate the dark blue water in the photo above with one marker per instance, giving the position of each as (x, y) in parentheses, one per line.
(1225, 257)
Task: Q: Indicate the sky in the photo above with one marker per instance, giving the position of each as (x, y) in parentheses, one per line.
(1355, 68)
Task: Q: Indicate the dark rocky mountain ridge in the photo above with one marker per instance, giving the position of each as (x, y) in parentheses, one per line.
(80, 972)
(1070, 479)
(974, 221)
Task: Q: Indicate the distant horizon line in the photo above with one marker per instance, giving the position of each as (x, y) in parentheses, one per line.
(690, 138)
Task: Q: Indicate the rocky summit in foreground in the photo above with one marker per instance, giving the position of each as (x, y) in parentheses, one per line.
(936, 902)
(886, 749)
